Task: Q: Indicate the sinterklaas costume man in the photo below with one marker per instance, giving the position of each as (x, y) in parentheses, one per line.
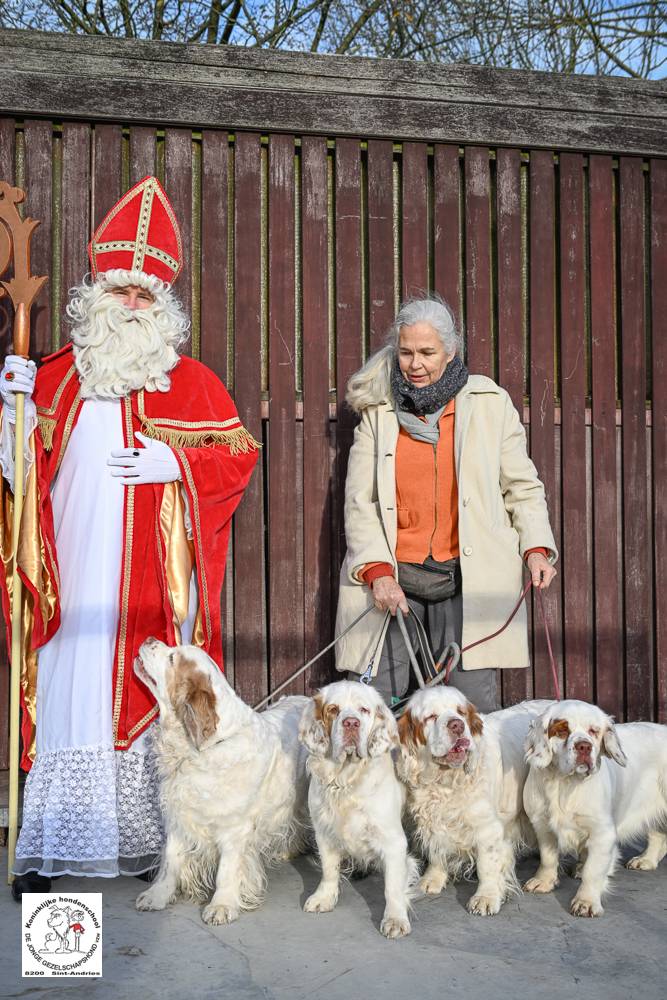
(137, 461)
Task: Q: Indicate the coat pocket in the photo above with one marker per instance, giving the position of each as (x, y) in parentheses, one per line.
(403, 517)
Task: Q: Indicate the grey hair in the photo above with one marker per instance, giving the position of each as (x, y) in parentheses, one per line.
(371, 384)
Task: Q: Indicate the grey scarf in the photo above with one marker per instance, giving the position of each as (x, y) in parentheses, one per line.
(428, 401)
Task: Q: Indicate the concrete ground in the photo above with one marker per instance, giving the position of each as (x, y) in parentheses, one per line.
(532, 949)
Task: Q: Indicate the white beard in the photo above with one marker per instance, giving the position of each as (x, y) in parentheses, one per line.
(119, 350)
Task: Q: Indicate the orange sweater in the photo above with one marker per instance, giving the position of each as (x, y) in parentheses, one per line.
(427, 500)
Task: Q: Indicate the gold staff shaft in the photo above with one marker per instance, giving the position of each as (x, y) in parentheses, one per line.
(21, 335)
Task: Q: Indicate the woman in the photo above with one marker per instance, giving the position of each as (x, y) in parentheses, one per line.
(442, 505)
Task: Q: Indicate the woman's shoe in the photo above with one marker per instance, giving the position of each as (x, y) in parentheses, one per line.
(30, 882)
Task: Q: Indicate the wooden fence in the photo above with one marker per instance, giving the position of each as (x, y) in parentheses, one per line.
(313, 195)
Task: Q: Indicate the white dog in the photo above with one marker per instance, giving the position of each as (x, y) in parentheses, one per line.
(355, 798)
(591, 786)
(464, 774)
(233, 784)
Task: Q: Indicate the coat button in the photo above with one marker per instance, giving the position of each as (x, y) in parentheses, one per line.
(467, 550)
(466, 501)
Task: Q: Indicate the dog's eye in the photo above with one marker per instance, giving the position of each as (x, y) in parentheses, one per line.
(593, 731)
(333, 709)
(430, 718)
(365, 711)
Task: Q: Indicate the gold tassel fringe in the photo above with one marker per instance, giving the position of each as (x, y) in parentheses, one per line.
(239, 440)
(47, 427)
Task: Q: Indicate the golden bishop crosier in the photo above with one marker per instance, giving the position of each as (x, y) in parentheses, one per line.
(23, 288)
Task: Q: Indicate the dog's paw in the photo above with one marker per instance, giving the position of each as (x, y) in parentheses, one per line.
(395, 927)
(433, 881)
(641, 864)
(542, 881)
(484, 906)
(152, 899)
(581, 907)
(321, 901)
(219, 913)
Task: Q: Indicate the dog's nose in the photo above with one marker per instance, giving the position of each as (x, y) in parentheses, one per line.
(583, 748)
(456, 726)
(350, 723)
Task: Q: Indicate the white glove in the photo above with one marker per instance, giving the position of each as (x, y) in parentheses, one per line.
(154, 463)
(17, 375)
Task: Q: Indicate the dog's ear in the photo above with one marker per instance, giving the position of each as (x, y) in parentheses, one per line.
(193, 699)
(537, 746)
(384, 734)
(409, 765)
(411, 732)
(473, 718)
(313, 731)
(195, 710)
(611, 746)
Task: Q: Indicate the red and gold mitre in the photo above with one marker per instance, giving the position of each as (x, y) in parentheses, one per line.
(140, 233)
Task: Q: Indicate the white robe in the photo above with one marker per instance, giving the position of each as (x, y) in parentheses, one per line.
(88, 809)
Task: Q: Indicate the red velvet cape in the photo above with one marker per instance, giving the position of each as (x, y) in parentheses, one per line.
(216, 462)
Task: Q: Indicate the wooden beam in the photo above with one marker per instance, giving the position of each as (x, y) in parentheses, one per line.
(130, 81)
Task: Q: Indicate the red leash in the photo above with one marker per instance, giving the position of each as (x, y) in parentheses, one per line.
(493, 635)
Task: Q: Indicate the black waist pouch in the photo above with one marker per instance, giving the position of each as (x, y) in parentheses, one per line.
(430, 580)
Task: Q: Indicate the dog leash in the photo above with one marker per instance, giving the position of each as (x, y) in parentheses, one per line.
(297, 673)
(452, 653)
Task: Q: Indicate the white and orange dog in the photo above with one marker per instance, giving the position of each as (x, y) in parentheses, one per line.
(233, 784)
(592, 786)
(355, 798)
(464, 774)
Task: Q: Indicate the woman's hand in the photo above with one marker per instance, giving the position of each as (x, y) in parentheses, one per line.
(388, 596)
(541, 570)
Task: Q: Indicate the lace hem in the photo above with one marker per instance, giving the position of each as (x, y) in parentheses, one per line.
(90, 811)
(100, 868)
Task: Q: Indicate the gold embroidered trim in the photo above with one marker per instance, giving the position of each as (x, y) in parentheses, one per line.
(68, 428)
(47, 426)
(239, 440)
(48, 411)
(195, 514)
(125, 586)
(149, 251)
(154, 712)
(147, 196)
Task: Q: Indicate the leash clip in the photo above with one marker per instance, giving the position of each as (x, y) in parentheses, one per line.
(367, 675)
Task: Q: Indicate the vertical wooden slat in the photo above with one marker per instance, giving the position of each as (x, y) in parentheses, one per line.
(636, 578)
(316, 436)
(38, 139)
(574, 563)
(542, 431)
(75, 210)
(107, 171)
(380, 239)
(658, 306)
(249, 653)
(447, 227)
(348, 317)
(285, 602)
(214, 264)
(608, 631)
(178, 185)
(516, 686)
(142, 153)
(7, 153)
(214, 308)
(414, 223)
(478, 261)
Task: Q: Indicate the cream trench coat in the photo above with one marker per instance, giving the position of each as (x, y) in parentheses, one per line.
(502, 514)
